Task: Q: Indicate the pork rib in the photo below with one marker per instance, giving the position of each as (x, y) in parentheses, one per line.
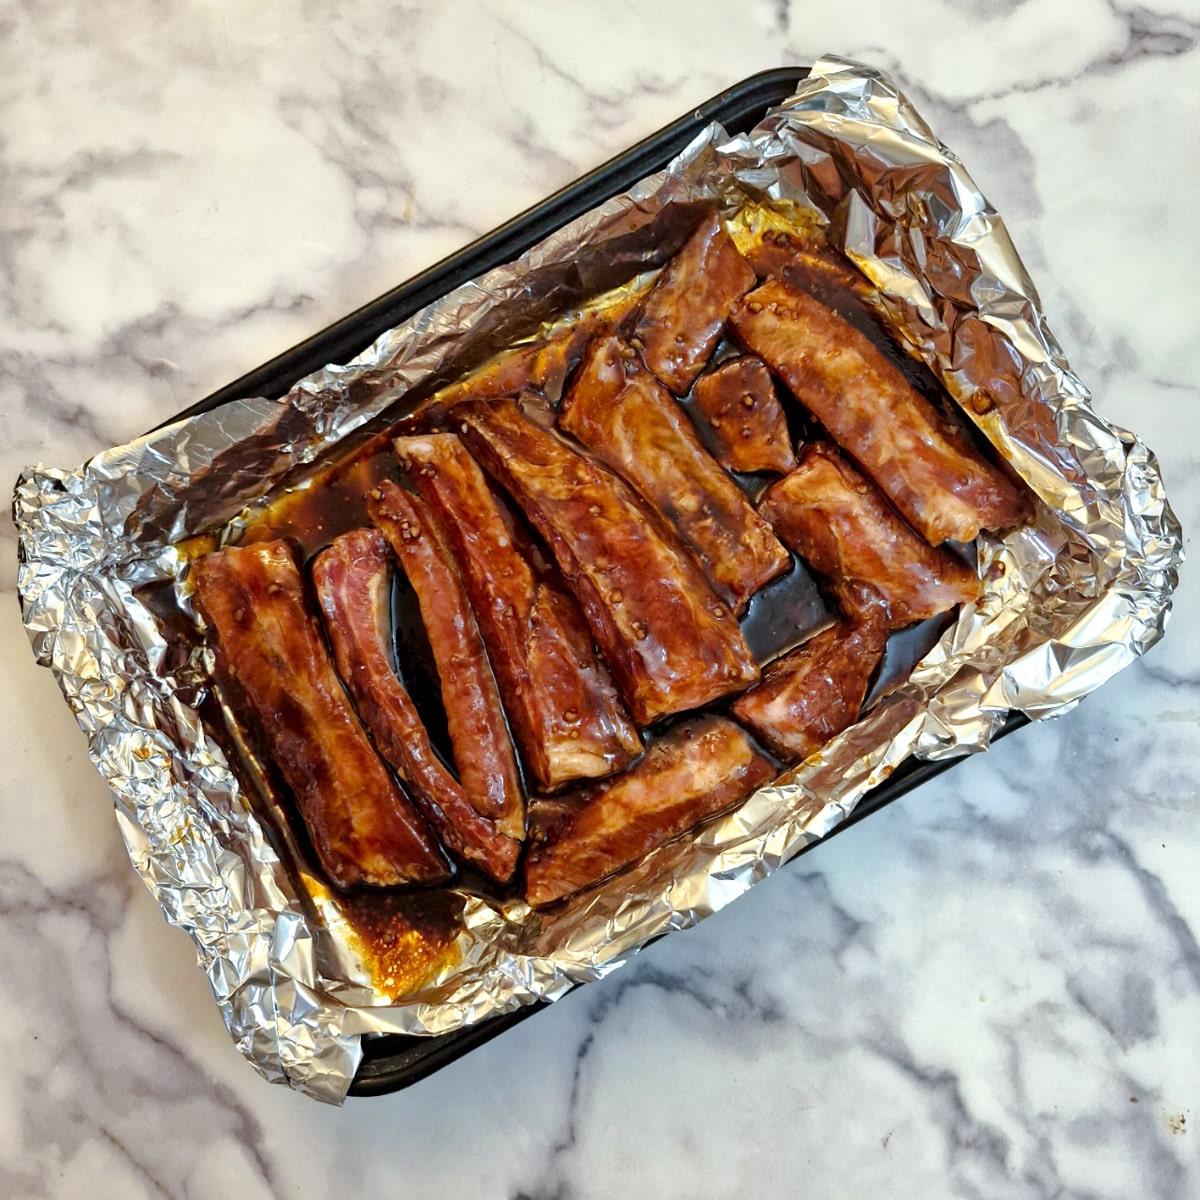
(643, 435)
(483, 750)
(814, 692)
(353, 578)
(670, 642)
(738, 406)
(686, 310)
(696, 770)
(568, 720)
(927, 468)
(840, 524)
(361, 825)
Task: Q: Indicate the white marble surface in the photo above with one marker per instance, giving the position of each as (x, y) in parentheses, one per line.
(991, 989)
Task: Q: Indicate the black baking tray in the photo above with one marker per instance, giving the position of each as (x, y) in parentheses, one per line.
(392, 1061)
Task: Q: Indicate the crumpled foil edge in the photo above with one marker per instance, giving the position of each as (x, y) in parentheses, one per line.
(1068, 601)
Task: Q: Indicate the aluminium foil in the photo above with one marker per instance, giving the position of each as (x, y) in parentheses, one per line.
(1069, 600)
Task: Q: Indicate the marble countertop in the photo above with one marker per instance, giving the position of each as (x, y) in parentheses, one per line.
(994, 989)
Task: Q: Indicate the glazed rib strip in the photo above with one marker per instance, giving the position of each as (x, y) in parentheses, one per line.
(483, 751)
(839, 523)
(645, 436)
(353, 578)
(362, 827)
(542, 366)
(814, 692)
(740, 411)
(607, 367)
(827, 273)
(684, 314)
(670, 643)
(696, 770)
(567, 718)
(942, 486)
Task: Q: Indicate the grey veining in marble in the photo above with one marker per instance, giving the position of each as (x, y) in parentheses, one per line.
(997, 988)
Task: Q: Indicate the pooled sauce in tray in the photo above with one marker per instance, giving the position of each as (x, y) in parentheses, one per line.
(402, 935)
(328, 505)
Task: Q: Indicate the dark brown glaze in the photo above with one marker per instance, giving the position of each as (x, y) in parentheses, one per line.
(670, 643)
(696, 770)
(832, 279)
(541, 366)
(606, 368)
(483, 750)
(335, 502)
(770, 252)
(814, 692)
(682, 319)
(361, 825)
(820, 269)
(924, 465)
(645, 437)
(568, 720)
(353, 579)
(405, 938)
(840, 524)
(743, 417)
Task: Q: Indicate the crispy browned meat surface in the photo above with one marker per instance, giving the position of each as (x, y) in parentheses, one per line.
(738, 405)
(645, 436)
(353, 578)
(684, 315)
(483, 751)
(814, 692)
(566, 715)
(670, 642)
(363, 828)
(842, 526)
(925, 467)
(699, 768)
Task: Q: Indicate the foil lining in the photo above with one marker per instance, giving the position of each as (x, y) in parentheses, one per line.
(1069, 600)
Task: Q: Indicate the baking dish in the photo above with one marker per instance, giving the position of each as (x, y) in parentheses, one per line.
(389, 1061)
